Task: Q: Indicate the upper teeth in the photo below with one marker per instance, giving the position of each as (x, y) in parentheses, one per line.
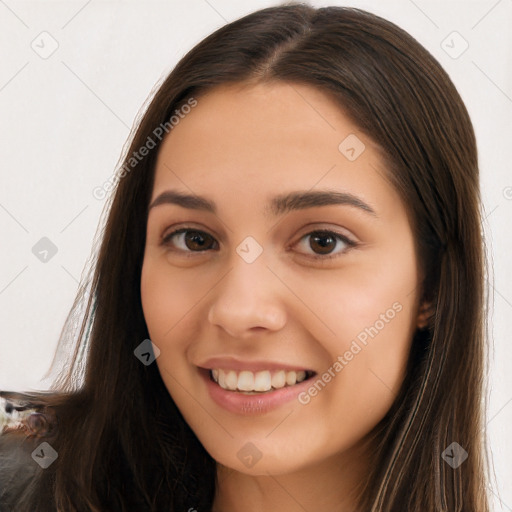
(256, 381)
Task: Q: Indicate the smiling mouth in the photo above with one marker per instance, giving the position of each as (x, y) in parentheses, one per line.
(257, 383)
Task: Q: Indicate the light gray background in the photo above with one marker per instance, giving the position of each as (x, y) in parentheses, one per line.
(64, 119)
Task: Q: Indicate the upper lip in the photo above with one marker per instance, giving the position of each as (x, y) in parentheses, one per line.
(232, 363)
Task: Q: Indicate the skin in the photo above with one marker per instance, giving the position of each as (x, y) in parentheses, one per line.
(240, 146)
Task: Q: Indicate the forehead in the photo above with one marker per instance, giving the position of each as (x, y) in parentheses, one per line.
(249, 142)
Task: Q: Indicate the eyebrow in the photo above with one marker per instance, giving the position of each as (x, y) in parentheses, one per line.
(279, 205)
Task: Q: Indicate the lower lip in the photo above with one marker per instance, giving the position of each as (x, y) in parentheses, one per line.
(251, 405)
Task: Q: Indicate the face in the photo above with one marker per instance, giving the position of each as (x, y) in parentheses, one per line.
(266, 291)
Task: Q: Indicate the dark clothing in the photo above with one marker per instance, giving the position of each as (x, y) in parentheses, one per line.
(23, 456)
(17, 467)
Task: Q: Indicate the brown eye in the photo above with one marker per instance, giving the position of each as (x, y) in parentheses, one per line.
(324, 243)
(189, 240)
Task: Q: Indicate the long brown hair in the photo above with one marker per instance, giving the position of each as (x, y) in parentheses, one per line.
(122, 442)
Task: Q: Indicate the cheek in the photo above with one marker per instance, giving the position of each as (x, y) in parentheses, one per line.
(360, 305)
(366, 369)
(368, 319)
(375, 299)
(166, 300)
(170, 301)
(167, 297)
(158, 304)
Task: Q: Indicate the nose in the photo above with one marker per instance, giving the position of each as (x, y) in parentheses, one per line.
(247, 300)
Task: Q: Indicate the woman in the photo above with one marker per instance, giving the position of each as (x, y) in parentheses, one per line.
(233, 357)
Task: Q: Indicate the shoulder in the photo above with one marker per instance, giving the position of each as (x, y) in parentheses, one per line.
(17, 467)
(16, 450)
(26, 433)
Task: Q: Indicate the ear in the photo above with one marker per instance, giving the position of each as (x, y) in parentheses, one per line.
(425, 313)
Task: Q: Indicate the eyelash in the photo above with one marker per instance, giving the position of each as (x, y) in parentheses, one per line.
(350, 243)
